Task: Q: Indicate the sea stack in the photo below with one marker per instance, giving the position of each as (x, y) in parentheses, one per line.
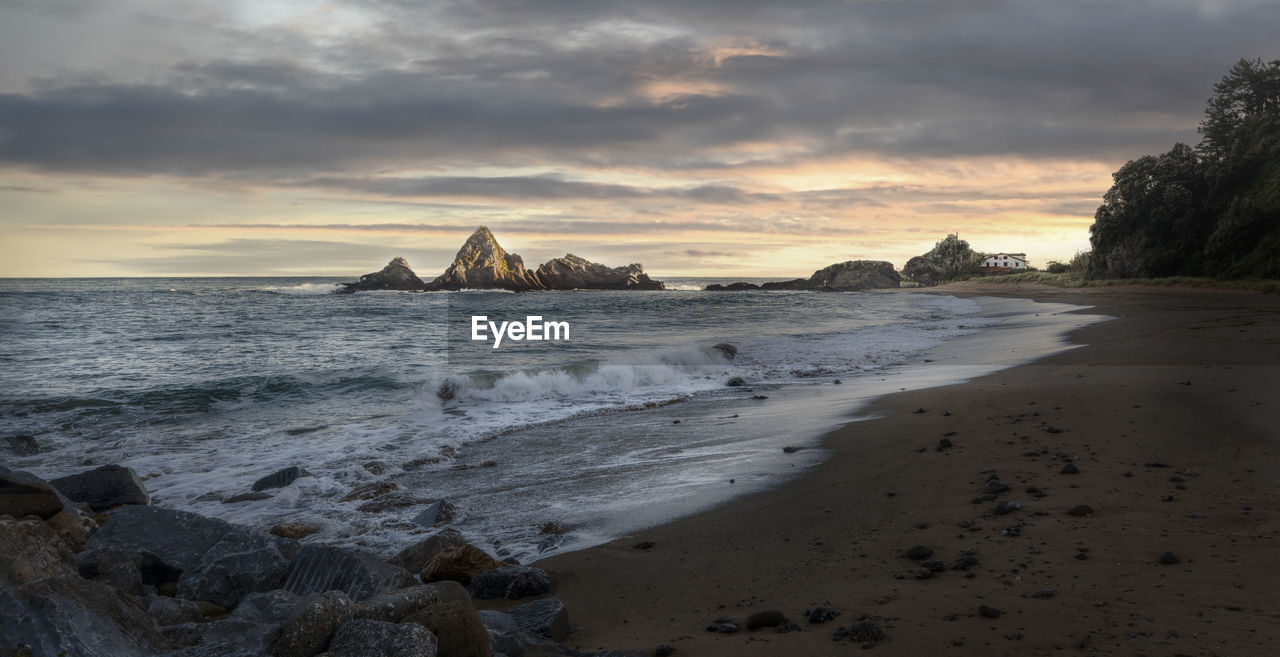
(483, 264)
(574, 273)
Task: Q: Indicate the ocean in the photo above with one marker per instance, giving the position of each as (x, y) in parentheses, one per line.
(204, 385)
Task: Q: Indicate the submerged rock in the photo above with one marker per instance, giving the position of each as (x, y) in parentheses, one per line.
(397, 275)
(280, 478)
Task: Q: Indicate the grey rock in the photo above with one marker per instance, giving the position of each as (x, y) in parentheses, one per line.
(247, 497)
(736, 382)
(119, 570)
(1007, 507)
(988, 612)
(280, 478)
(1069, 468)
(397, 275)
(177, 539)
(866, 632)
(574, 273)
(371, 638)
(740, 286)
(507, 638)
(511, 582)
(166, 611)
(225, 580)
(415, 557)
(306, 632)
(438, 512)
(458, 629)
(995, 486)
(24, 494)
(104, 488)
(855, 275)
(923, 271)
(546, 618)
(922, 573)
(393, 607)
(22, 445)
(70, 616)
(358, 574)
(1080, 510)
(267, 607)
(229, 637)
(1168, 559)
(766, 618)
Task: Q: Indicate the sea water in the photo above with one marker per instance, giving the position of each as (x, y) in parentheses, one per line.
(204, 385)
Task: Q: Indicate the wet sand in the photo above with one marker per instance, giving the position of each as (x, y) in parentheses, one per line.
(1170, 415)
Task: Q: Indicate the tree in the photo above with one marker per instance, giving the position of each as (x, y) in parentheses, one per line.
(1247, 98)
(955, 257)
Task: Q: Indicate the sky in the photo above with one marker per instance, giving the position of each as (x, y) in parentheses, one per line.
(714, 138)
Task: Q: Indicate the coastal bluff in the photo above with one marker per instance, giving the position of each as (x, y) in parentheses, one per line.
(482, 264)
(849, 276)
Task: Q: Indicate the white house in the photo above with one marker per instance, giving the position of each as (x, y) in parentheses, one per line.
(1004, 261)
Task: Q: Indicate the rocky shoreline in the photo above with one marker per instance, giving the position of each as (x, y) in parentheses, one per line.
(91, 569)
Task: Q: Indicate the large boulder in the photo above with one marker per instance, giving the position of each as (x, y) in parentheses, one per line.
(415, 557)
(228, 637)
(793, 284)
(306, 632)
(506, 637)
(121, 571)
(268, 607)
(31, 550)
(370, 638)
(358, 574)
(855, 275)
(24, 494)
(510, 582)
(574, 273)
(69, 616)
(731, 287)
(210, 559)
(395, 606)
(459, 564)
(546, 618)
(457, 627)
(105, 487)
(395, 276)
(924, 271)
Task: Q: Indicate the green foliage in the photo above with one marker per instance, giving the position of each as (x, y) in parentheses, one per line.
(955, 257)
(1210, 211)
(1056, 267)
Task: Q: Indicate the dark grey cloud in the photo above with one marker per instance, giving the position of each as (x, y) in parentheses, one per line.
(557, 85)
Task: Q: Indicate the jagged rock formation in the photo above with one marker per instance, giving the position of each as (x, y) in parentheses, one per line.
(850, 276)
(574, 273)
(395, 276)
(482, 264)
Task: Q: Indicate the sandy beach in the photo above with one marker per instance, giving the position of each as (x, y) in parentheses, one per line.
(1167, 414)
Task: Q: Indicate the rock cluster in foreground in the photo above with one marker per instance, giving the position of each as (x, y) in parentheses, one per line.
(849, 276)
(483, 264)
(144, 581)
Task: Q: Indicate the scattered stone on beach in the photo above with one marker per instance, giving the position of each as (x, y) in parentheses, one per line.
(437, 513)
(995, 487)
(104, 487)
(866, 632)
(546, 618)
(642, 545)
(293, 530)
(919, 411)
(510, 582)
(964, 563)
(918, 552)
(395, 606)
(1169, 559)
(727, 628)
(945, 443)
(922, 573)
(988, 612)
(1069, 468)
(247, 497)
(457, 627)
(370, 638)
(729, 350)
(459, 564)
(1043, 593)
(357, 574)
(933, 565)
(736, 382)
(416, 557)
(820, 614)
(837, 382)
(664, 650)
(307, 630)
(1080, 510)
(1196, 514)
(1007, 507)
(24, 494)
(766, 618)
(280, 478)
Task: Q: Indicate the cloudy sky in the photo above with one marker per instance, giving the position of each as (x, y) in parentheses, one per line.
(730, 137)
